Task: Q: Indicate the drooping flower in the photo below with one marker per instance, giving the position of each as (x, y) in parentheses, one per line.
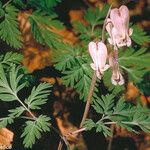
(117, 77)
(98, 52)
(118, 27)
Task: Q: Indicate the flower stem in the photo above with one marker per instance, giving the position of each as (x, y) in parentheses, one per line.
(87, 107)
(103, 30)
(93, 82)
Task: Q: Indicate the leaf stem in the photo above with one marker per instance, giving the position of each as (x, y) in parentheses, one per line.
(33, 116)
(7, 3)
(87, 107)
(78, 131)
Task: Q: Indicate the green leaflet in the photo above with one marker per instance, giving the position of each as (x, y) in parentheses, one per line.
(38, 96)
(41, 26)
(9, 88)
(5, 121)
(93, 30)
(121, 113)
(33, 130)
(9, 31)
(139, 36)
(11, 57)
(17, 111)
(104, 105)
(136, 63)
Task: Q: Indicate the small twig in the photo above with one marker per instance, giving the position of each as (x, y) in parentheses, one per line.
(87, 107)
(78, 131)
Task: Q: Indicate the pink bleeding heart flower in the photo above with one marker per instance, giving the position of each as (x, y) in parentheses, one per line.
(117, 27)
(117, 77)
(98, 52)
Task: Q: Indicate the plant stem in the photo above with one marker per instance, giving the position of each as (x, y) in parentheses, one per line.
(33, 116)
(78, 131)
(93, 82)
(103, 30)
(87, 107)
(7, 3)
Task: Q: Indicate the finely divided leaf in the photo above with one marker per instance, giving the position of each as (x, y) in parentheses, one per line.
(9, 31)
(38, 96)
(10, 85)
(33, 130)
(139, 36)
(5, 121)
(11, 57)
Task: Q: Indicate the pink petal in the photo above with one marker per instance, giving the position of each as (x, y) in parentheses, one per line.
(101, 54)
(93, 53)
(124, 11)
(115, 17)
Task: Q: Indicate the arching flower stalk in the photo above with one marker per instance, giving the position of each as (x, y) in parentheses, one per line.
(117, 27)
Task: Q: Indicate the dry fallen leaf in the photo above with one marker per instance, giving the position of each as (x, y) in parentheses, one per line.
(6, 138)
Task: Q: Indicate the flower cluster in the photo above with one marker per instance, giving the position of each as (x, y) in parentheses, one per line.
(117, 26)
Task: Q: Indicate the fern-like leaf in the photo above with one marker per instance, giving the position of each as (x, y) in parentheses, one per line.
(139, 36)
(34, 129)
(41, 27)
(38, 96)
(9, 31)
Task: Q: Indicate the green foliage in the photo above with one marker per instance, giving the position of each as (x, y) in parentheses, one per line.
(5, 121)
(100, 127)
(17, 111)
(38, 96)
(66, 56)
(89, 124)
(73, 62)
(97, 16)
(104, 105)
(10, 58)
(9, 31)
(41, 28)
(139, 36)
(45, 5)
(33, 130)
(94, 18)
(79, 77)
(121, 113)
(10, 87)
(136, 63)
(144, 86)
